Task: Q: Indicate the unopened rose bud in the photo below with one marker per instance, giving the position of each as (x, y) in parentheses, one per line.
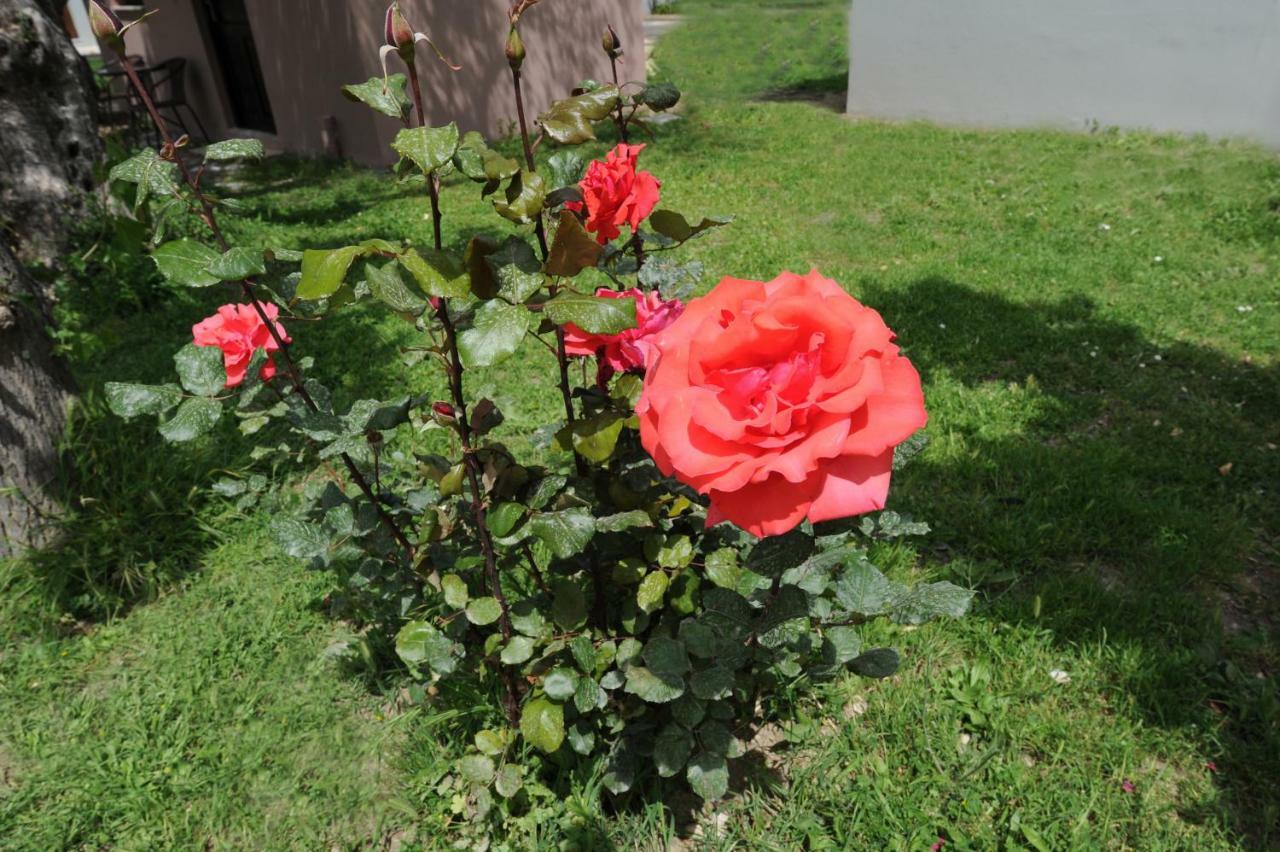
(399, 33)
(515, 49)
(612, 44)
(443, 409)
(106, 24)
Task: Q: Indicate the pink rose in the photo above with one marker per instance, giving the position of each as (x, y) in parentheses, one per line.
(239, 331)
(615, 194)
(780, 401)
(633, 348)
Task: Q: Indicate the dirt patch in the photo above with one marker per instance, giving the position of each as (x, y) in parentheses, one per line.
(1249, 601)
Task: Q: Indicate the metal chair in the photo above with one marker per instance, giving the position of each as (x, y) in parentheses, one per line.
(167, 83)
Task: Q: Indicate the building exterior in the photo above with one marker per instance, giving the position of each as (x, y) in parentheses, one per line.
(275, 68)
(1171, 65)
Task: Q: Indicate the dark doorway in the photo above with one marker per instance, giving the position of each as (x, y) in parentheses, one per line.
(232, 38)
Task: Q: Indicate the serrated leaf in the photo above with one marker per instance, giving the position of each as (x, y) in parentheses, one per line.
(517, 270)
(130, 400)
(565, 168)
(592, 314)
(774, 555)
(386, 285)
(194, 417)
(624, 521)
(566, 532)
(519, 649)
(502, 519)
(186, 263)
(688, 710)
(722, 568)
(586, 695)
(496, 333)
(152, 175)
(201, 369)
(386, 95)
(674, 225)
(455, 591)
(594, 438)
(659, 96)
(909, 449)
(428, 147)
(437, 273)
(524, 198)
(671, 750)
(573, 249)
(299, 539)
(420, 644)
(711, 683)
(653, 687)
(844, 642)
(324, 270)
(666, 657)
(542, 724)
(931, 600)
(584, 653)
(861, 588)
(651, 591)
(698, 639)
(708, 775)
(560, 684)
(876, 663)
(237, 264)
(568, 604)
(482, 611)
(569, 121)
(235, 149)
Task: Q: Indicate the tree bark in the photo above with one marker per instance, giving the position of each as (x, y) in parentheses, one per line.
(48, 146)
(48, 131)
(35, 390)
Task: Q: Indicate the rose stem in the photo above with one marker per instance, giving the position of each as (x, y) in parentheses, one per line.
(211, 221)
(622, 122)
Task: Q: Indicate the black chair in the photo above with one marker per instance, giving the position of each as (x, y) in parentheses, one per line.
(167, 83)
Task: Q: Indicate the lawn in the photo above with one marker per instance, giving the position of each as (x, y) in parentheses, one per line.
(1097, 321)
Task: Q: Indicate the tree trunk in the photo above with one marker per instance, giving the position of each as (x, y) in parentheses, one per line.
(34, 392)
(48, 131)
(48, 146)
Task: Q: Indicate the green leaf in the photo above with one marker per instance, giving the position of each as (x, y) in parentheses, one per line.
(455, 591)
(666, 657)
(659, 96)
(569, 121)
(573, 249)
(776, 554)
(876, 663)
(129, 400)
(584, 653)
(490, 742)
(726, 612)
(324, 270)
(235, 149)
(299, 539)
(502, 519)
(845, 644)
(674, 226)
(194, 417)
(595, 438)
(861, 588)
(542, 724)
(496, 333)
(387, 96)
(238, 263)
(620, 770)
(508, 781)
(624, 521)
(592, 314)
(420, 644)
(722, 568)
(517, 270)
(152, 175)
(186, 263)
(653, 687)
(566, 532)
(708, 775)
(569, 605)
(560, 684)
(698, 638)
(688, 710)
(517, 650)
(682, 595)
(586, 695)
(477, 768)
(909, 449)
(524, 198)
(428, 147)
(373, 414)
(651, 591)
(711, 683)
(931, 600)
(437, 273)
(671, 750)
(483, 611)
(201, 369)
(475, 159)
(388, 287)
(565, 168)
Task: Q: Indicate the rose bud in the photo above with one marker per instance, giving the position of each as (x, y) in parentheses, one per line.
(444, 410)
(612, 44)
(106, 24)
(399, 33)
(515, 49)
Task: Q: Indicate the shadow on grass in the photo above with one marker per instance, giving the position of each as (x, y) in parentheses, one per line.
(1136, 500)
(830, 93)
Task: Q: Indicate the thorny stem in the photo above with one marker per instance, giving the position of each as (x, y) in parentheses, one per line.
(622, 122)
(209, 217)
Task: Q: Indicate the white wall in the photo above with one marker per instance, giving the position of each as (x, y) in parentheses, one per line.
(1191, 66)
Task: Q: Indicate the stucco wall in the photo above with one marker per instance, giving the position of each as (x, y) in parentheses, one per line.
(1174, 65)
(309, 49)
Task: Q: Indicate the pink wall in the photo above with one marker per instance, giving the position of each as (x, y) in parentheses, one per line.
(309, 49)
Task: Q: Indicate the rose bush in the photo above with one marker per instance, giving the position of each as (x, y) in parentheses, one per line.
(780, 401)
(614, 614)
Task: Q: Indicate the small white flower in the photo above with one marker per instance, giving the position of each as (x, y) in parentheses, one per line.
(1157, 358)
(1244, 309)
(1104, 227)
(1158, 259)
(1059, 676)
(942, 325)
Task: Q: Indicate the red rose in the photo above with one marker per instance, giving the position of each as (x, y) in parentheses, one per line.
(779, 401)
(633, 348)
(615, 194)
(239, 332)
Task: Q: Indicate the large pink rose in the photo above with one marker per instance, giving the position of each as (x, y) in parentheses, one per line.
(239, 332)
(780, 401)
(633, 348)
(615, 194)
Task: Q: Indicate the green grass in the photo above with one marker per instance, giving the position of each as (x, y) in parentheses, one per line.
(1087, 386)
